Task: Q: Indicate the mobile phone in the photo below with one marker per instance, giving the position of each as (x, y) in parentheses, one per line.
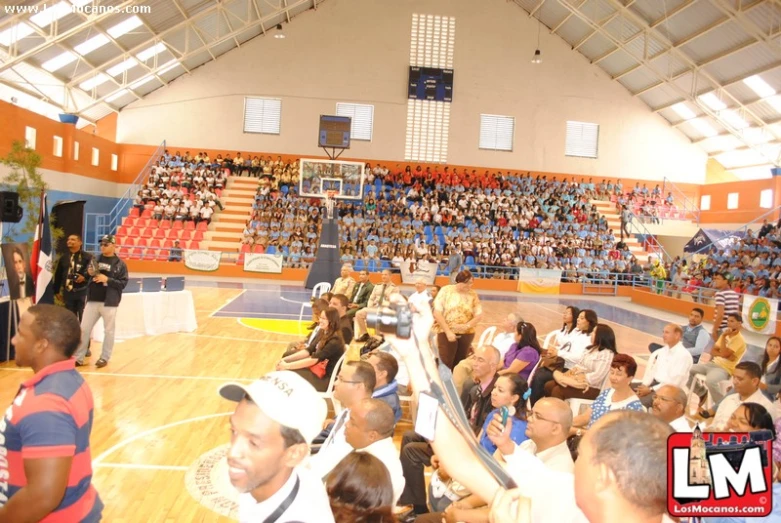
(505, 414)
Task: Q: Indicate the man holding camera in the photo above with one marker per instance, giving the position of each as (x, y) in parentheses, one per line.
(379, 297)
(72, 277)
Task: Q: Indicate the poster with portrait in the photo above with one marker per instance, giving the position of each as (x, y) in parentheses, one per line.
(16, 259)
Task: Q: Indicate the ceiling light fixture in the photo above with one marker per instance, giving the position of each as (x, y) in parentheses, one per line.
(279, 34)
(537, 58)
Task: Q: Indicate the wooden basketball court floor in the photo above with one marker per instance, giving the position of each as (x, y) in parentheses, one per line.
(160, 429)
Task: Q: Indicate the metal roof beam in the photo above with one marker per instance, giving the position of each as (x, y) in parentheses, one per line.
(564, 21)
(743, 148)
(30, 89)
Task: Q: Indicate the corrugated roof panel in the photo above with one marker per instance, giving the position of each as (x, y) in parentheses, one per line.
(240, 12)
(178, 40)
(596, 46)
(209, 25)
(671, 116)
(553, 14)
(123, 99)
(193, 7)
(597, 10)
(716, 42)
(772, 77)
(660, 96)
(527, 5)
(249, 34)
(136, 37)
(742, 63)
(721, 143)
(197, 59)
(636, 47)
(618, 63)
(104, 54)
(163, 14)
(669, 65)
(30, 42)
(223, 47)
(691, 20)
(742, 92)
(573, 30)
(766, 16)
(639, 79)
(690, 128)
(765, 111)
(653, 10)
(621, 29)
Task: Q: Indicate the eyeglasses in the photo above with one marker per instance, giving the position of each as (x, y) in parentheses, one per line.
(534, 415)
(665, 399)
(346, 381)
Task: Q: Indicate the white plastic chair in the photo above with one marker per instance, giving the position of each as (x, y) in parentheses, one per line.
(329, 391)
(577, 405)
(320, 289)
(486, 337)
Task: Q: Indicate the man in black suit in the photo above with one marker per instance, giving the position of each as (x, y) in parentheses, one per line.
(361, 292)
(71, 276)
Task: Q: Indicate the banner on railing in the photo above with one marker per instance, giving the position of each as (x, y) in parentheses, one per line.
(759, 314)
(206, 261)
(411, 271)
(263, 263)
(539, 281)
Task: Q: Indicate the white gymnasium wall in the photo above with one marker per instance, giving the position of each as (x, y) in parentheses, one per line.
(358, 51)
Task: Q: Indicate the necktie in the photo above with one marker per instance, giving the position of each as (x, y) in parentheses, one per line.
(357, 291)
(382, 294)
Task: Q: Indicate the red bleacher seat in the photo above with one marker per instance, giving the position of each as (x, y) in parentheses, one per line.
(186, 235)
(123, 230)
(129, 221)
(133, 212)
(194, 245)
(142, 242)
(165, 224)
(147, 232)
(167, 244)
(198, 236)
(134, 232)
(142, 222)
(120, 239)
(160, 233)
(162, 255)
(153, 223)
(147, 213)
(259, 249)
(177, 224)
(137, 253)
(202, 226)
(155, 243)
(189, 225)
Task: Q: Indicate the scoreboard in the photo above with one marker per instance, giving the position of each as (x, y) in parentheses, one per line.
(334, 131)
(430, 83)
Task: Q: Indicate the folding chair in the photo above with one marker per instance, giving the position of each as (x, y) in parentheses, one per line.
(320, 289)
(486, 337)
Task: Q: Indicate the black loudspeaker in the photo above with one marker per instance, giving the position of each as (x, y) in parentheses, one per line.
(10, 211)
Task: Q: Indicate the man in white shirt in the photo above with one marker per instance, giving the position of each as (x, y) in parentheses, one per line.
(370, 429)
(669, 365)
(745, 383)
(275, 419)
(669, 405)
(355, 382)
(421, 297)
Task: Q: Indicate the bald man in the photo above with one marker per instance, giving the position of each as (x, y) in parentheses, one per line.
(370, 429)
(462, 373)
(669, 365)
(669, 405)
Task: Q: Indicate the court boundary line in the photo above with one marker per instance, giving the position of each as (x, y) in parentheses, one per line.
(236, 338)
(155, 430)
(139, 466)
(228, 302)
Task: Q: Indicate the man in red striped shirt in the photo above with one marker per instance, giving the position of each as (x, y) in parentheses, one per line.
(45, 461)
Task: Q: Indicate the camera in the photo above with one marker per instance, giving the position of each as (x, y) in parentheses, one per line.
(395, 319)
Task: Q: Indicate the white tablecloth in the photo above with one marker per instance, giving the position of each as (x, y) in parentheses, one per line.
(151, 313)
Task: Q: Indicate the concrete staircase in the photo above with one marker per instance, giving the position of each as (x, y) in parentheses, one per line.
(610, 212)
(225, 230)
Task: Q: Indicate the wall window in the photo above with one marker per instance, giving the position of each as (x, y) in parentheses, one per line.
(114, 162)
(362, 119)
(766, 199)
(732, 201)
(496, 132)
(76, 151)
(262, 115)
(29, 137)
(427, 131)
(57, 146)
(95, 156)
(582, 140)
(705, 202)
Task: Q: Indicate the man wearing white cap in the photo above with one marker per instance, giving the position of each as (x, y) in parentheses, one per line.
(275, 419)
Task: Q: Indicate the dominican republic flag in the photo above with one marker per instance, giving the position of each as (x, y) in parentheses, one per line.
(42, 257)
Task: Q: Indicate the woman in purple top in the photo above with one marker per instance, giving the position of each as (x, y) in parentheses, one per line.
(524, 353)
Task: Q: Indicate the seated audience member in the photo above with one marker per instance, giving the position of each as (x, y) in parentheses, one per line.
(566, 356)
(559, 337)
(726, 352)
(770, 384)
(297, 350)
(745, 384)
(668, 365)
(524, 353)
(502, 342)
(359, 489)
(457, 312)
(696, 338)
(379, 298)
(508, 392)
(416, 452)
(354, 383)
(749, 417)
(619, 396)
(586, 379)
(328, 349)
(345, 283)
(421, 297)
(340, 302)
(175, 254)
(360, 295)
(621, 471)
(370, 430)
(285, 413)
(386, 389)
(669, 405)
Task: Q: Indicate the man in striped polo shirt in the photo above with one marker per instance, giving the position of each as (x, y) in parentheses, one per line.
(727, 302)
(45, 461)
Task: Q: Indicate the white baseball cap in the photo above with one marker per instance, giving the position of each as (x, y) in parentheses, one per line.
(286, 398)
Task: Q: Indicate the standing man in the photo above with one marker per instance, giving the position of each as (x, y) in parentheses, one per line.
(454, 263)
(72, 276)
(275, 419)
(727, 302)
(45, 462)
(103, 296)
(626, 220)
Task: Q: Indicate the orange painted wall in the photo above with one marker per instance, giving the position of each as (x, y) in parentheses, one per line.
(748, 200)
(13, 121)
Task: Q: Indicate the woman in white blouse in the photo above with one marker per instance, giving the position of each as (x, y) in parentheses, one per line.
(586, 379)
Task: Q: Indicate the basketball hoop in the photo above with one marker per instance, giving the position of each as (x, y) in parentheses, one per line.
(330, 195)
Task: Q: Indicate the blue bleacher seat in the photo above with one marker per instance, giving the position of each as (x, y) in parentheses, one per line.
(359, 266)
(271, 250)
